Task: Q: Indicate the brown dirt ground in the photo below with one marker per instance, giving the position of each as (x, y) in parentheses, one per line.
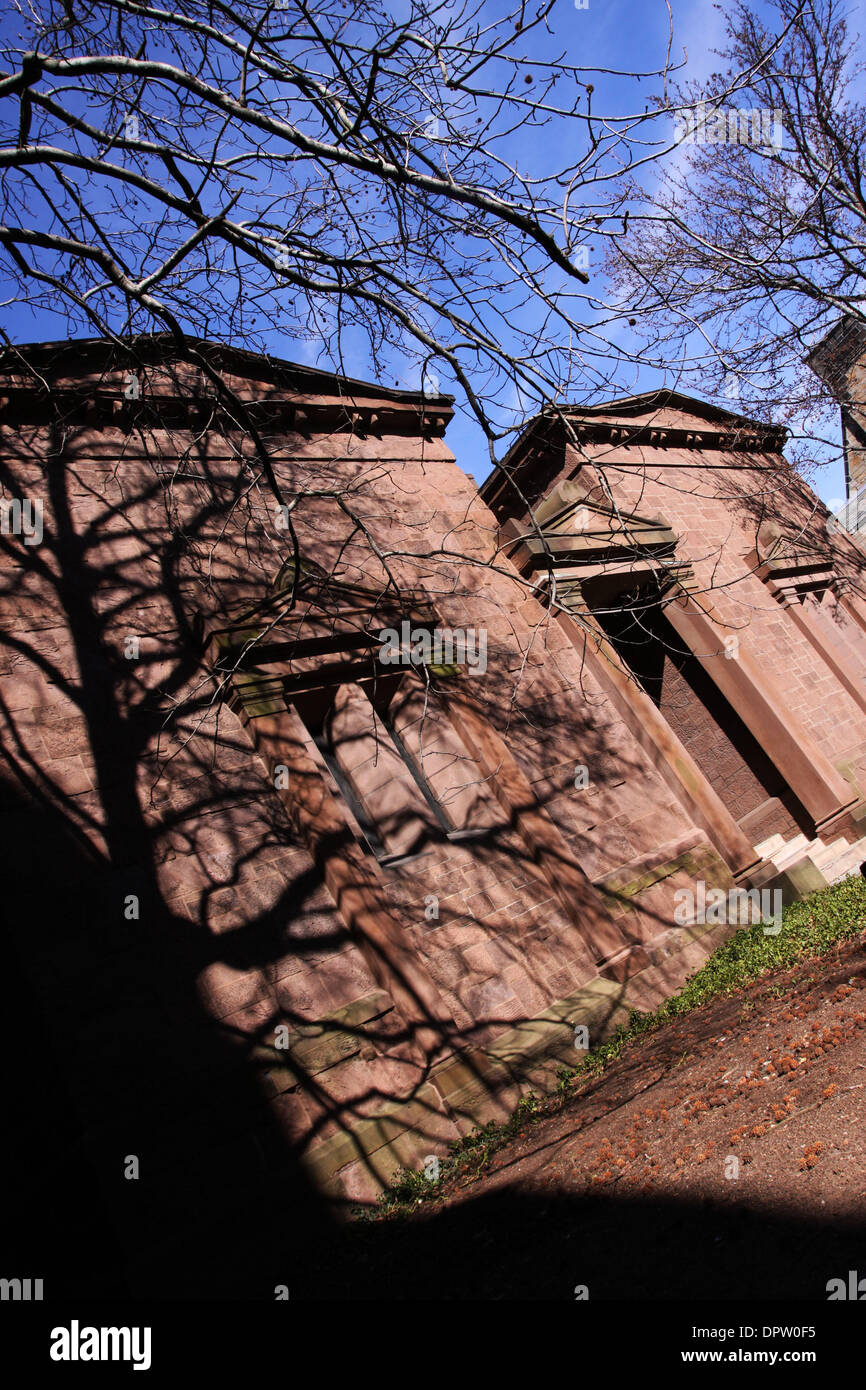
(773, 1077)
(625, 1188)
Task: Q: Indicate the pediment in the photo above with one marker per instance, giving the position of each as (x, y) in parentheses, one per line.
(577, 528)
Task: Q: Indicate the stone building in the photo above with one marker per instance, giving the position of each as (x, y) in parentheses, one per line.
(839, 359)
(317, 914)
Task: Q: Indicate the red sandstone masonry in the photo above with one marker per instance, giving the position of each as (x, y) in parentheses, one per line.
(721, 505)
(269, 927)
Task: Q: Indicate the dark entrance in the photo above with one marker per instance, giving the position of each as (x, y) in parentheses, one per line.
(725, 750)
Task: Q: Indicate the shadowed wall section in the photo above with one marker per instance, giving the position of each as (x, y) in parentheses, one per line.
(321, 916)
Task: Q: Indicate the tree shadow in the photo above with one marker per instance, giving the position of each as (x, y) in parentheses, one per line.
(512, 1245)
(164, 918)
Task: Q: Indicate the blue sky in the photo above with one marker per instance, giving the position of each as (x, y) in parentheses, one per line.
(634, 36)
(625, 35)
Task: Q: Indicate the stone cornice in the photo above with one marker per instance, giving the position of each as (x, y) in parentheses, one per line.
(719, 433)
(729, 440)
(789, 577)
(670, 577)
(100, 409)
(330, 635)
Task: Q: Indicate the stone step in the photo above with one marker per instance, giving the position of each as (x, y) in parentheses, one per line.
(847, 864)
(827, 854)
(794, 849)
(767, 848)
(839, 873)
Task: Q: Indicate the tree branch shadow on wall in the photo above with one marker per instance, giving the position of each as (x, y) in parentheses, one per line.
(117, 1060)
(223, 1206)
(235, 1221)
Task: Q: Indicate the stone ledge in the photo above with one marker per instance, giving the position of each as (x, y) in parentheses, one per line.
(472, 1088)
(692, 852)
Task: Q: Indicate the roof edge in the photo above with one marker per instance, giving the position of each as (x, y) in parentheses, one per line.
(631, 405)
(164, 346)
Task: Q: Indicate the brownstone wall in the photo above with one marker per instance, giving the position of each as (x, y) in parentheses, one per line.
(717, 502)
(716, 739)
(718, 522)
(157, 786)
(242, 927)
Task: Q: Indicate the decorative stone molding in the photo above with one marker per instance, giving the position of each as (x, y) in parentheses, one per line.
(577, 531)
(789, 570)
(721, 441)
